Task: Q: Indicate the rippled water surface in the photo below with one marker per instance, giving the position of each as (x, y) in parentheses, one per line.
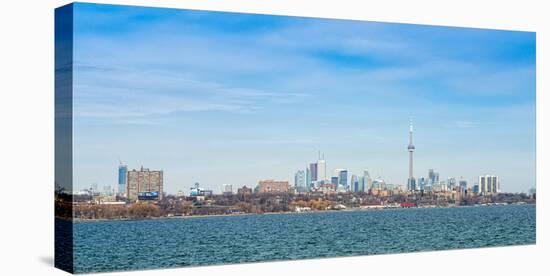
(124, 245)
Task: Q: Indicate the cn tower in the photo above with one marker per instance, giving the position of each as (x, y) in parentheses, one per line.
(411, 181)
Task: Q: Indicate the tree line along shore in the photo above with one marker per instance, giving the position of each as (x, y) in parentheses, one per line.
(70, 207)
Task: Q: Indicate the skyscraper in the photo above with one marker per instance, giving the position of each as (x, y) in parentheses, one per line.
(451, 183)
(463, 183)
(421, 183)
(368, 180)
(122, 178)
(144, 181)
(342, 175)
(321, 169)
(489, 184)
(313, 172)
(300, 181)
(308, 179)
(354, 183)
(318, 171)
(433, 178)
(475, 188)
(411, 183)
(362, 184)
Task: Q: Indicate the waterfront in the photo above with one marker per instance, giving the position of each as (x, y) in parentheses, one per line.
(127, 245)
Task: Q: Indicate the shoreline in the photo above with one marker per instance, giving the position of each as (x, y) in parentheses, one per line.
(356, 209)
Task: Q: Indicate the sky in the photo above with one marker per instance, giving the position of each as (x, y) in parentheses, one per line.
(230, 98)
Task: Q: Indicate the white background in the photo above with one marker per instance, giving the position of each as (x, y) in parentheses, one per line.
(26, 135)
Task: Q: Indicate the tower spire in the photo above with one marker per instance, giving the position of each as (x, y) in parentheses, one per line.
(411, 183)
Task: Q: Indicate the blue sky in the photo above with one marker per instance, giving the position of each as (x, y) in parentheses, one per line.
(228, 98)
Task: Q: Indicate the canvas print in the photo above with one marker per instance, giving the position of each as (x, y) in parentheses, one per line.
(189, 138)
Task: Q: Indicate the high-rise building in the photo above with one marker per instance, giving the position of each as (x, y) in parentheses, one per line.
(321, 169)
(463, 183)
(433, 178)
(318, 171)
(475, 188)
(300, 181)
(342, 175)
(308, 179)
(354, 183)
(363, 183)
(451, 183)
(334, 180)
(368, 180)
(145, 184)
(489, 184)
(313, 171)
(411, 183)
(122, 178)
(421, 183)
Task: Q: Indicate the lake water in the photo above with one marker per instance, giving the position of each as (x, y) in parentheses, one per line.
(129, 245)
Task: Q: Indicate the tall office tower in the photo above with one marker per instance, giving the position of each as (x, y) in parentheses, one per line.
(451, 183)
(144, 183)
(489, 184)
(308, 179)
(421, 183)
(342, 175)
(321, 169)
(354, 183)
(313, 171)
(475, 188)
(463, 183)
(483, 185)
(362, 184)
(107, 190)
(300, 181)
(411, 183)
(334, 180)
(368, 180)
(122, 178)
(496, 185)
(431, 175)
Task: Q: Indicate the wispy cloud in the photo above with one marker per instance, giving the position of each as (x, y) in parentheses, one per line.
(105, 92)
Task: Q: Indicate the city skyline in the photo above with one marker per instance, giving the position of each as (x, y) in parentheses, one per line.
(225, 98)
(343, 180)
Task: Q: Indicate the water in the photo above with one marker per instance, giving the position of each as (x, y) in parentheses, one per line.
(127, 245)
